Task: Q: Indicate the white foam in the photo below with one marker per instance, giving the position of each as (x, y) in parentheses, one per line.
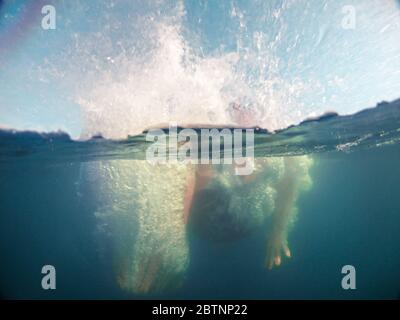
(157, 71)
(173, 82)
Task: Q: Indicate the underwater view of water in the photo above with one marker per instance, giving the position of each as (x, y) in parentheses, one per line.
(350, 216)
(316, 82)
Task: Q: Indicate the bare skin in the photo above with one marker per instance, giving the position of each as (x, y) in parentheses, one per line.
(277, 244)
(150, 270)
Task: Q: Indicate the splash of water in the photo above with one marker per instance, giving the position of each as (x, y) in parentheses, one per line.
(159, 67)
(164, 78)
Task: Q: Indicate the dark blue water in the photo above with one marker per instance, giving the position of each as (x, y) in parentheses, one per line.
(350, 216)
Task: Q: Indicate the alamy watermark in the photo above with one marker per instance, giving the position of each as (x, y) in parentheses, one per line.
(202, 146)
(49, 280)
(349, 20)
(49, 21)
(349, 280)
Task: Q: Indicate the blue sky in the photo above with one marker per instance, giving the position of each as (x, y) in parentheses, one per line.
(353, 69)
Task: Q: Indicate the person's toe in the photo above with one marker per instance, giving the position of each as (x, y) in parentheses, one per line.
(277, 261)
(287, 251)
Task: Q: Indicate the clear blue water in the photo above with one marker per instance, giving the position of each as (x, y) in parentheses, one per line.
(351, 215)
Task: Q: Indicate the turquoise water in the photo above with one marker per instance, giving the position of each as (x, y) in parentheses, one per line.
(77, 191)
(350, 216)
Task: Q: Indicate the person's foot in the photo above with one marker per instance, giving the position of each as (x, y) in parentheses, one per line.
(277, 247)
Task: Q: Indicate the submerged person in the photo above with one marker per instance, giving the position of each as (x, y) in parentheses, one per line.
(226, 206)
(150, 209)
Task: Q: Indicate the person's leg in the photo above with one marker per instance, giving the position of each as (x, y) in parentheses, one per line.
(295, 178)
(145, 210)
